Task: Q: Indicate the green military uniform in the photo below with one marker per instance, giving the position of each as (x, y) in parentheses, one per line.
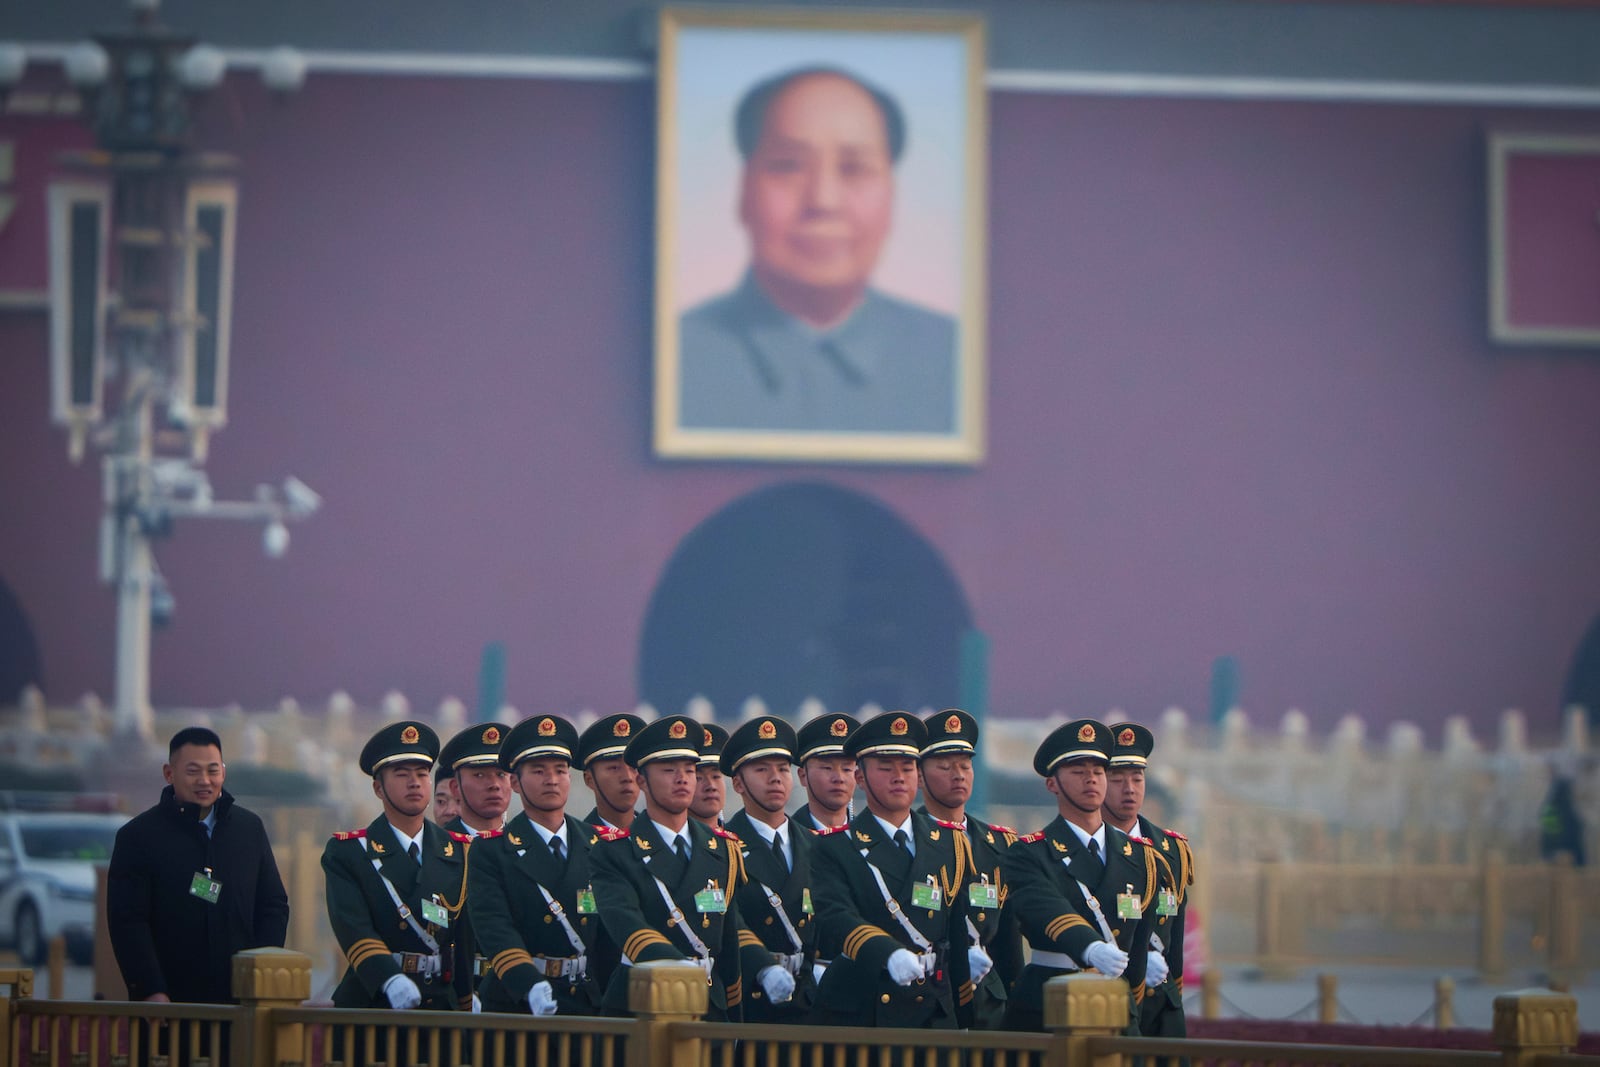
(955, 732)
(532, 905)
(476, 746)
(365, 870)
(1161, 1012)
(605, 738)
(659, 905)
(775, 900)
(1067, 899)
(821, 737)
(874, 897)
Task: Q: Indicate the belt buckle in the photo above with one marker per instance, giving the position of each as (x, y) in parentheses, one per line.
(408, 962)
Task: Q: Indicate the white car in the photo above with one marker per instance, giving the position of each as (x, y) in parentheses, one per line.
(47, 862)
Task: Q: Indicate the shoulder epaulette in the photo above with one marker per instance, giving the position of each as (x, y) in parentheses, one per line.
(350, 835)
(997, 828)
(1037, 835)
(729, 834)
(465, 839)
(610, 833)
(1142, 840)
(825, 831)
(492, 833)
(1174, 833)
(947, 823)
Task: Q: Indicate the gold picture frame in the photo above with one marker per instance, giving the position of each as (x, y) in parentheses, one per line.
(821, 236)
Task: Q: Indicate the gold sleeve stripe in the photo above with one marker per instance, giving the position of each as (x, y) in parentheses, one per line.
(360, 956)
(1062, 923)
(859, 937)
(748, 938)
(508, 960)
(510, 953)
(735, 993)
(639, 941)
(965, 995)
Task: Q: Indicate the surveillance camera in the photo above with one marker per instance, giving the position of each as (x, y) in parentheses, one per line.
(300, 497)
(275, 539)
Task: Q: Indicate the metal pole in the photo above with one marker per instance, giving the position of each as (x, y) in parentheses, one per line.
(134, 573)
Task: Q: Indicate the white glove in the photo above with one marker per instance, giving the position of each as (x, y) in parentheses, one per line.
(777, 983)
(1106, 958)
(979, 963)
(477, 1005)
(1155, 969)
(542, 999)
(904, 967)
(402, 992)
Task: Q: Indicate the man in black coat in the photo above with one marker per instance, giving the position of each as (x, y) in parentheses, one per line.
(192, 882)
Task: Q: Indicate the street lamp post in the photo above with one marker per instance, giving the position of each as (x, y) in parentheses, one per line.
(141, 279)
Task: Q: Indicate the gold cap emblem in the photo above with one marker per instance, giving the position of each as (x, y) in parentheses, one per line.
(707, 742)
(1086, 733)
(547, 727)
(621, 729)
(839, 728)
(678, 730)
(1125, 738)
(409, 735)
(898, 728)
(491, 736)
(952, 725)
(766, 731)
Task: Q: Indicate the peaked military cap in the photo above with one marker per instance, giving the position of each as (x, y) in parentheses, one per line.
(823, 736)
(894, 733)
(606, 738)
(477, 745)
(538, 737)
(675, 737)
(1131, 744)
(951, 732)
(758, 739)
(711, 744)
(1082, 739)
(400, 742)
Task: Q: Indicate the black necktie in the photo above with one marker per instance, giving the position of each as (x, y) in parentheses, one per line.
(414, 852)
(777, 850)
(555, 850)
(682, 848)
(903, 841)
(1097, 863)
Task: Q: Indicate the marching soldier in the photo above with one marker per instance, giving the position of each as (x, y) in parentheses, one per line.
(532, 901)
(710, 791)
(891, 897)
(606, 773)
(946, 774)
(1161, 1013)
(1083, 893)
(826, 772)
(667, 889)
(395, 889)
(775, 901)
(481, 790)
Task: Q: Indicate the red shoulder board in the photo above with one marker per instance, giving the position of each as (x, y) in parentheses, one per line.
(1037, 835)
(608, 833)
(1174, 833)
(465, 839)
(1142, 840)
(832, 830)
(491, 833)
(948, 825)
(720, 832)
(997, 828)
(350, 835)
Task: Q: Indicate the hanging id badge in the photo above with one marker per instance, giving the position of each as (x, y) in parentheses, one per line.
(205, 887)
(983, 894)
(1167, 903)
(586, 901)
(435, 913)
(1128, 904)
(710, 900)
(805, 901)
(927, 895)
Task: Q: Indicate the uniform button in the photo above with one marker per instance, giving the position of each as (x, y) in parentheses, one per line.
(884, 998)
(769, 920)
(982, 915)
(919, 1000)
(1116, 933)
(1162, 921)
(802, 922)
(583, 921)
(548, 919)
(930, 913)
(756, 995)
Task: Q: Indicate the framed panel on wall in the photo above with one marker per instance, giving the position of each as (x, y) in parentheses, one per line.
(1544, 239)
(820, 236)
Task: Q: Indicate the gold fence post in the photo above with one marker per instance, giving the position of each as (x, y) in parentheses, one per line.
(660, 994)
(1269, 922)
(265, 979)
(21, 988)
(1534, 1022)
(1327, 998)
(1492, 917)
(1211, 994)
(1081, 1006)
(1566, 921)
(57, 962)
(1444, 1004)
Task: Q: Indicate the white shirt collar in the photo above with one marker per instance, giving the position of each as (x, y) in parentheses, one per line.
(670, 836)
(210, 821)
(890, 828)
(1084, 836)
(407, 842)
(546, 835)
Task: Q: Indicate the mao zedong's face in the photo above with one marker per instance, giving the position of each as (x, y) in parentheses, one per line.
(818, 195)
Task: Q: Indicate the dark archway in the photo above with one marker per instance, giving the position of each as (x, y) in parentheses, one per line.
(800, 590)
(1583, 678)
(19, 650)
